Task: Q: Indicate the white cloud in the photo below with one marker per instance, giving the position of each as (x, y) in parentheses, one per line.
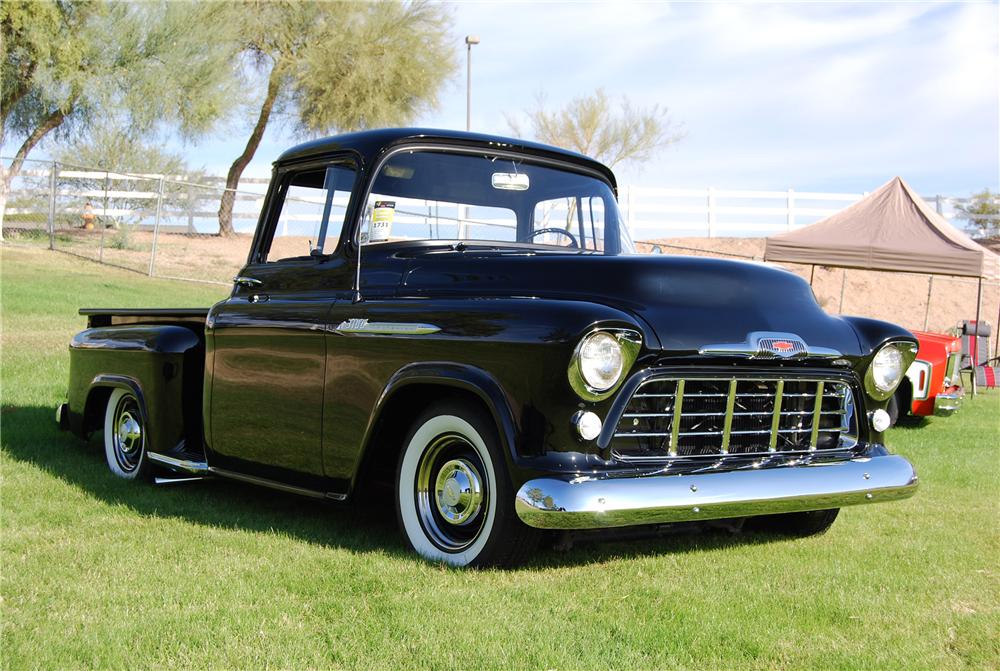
(802, 95)
(773, 95)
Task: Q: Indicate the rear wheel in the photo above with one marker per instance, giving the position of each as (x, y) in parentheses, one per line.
(454, 500)
(810, 523)
(125, 436)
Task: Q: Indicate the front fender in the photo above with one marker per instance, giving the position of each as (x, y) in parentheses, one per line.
(873, 333)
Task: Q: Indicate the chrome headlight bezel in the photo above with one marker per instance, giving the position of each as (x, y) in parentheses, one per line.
(629, 342)
(907, 353)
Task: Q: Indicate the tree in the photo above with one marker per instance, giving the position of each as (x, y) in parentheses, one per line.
(113, 148)
(983, 213)
(339, 66)
(592, 126)
(69, 63)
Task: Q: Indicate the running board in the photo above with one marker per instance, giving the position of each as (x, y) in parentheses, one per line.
(179, 465)
(202, 470)
(252, 479)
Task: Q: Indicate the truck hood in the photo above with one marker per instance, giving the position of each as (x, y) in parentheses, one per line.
(688, 302)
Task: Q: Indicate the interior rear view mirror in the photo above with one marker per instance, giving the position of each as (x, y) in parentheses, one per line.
(510, 181)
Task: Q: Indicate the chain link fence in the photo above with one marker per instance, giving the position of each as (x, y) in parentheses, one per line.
(160, 225)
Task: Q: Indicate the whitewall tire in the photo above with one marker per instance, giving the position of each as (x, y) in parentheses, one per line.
(125, 436)
(454, 500)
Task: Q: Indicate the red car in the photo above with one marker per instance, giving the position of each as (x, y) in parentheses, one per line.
(933, 383)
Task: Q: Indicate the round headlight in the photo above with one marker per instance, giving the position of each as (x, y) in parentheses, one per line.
(601, 361)
(887, 368)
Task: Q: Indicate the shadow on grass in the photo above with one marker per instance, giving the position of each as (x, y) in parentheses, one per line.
(911, 423)
(364, 525)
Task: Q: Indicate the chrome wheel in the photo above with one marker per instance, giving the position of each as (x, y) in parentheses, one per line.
(128, 438)
(451, 493)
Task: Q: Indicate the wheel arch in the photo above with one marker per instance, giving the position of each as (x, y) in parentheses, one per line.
(98, 394)
(414, 387)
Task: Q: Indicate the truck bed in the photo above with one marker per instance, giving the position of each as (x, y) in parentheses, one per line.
(113, 316)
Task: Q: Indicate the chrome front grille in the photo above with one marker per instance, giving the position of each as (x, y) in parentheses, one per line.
(712, 416)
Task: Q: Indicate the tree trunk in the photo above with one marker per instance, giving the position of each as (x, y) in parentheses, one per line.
(239, 165)
(8, 173)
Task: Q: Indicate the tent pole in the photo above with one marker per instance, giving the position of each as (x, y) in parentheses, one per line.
(996, 346)
(975, 337)
(843, 284)
(927, 312)
(812, 273)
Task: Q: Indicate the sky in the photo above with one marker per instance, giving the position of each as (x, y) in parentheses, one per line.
(815, 97)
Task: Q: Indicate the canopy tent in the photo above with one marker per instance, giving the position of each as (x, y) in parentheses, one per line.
(892, 229)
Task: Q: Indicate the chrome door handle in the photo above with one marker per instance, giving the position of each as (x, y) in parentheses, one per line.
(247, 281)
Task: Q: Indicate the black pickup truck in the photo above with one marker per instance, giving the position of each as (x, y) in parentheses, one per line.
(465, 317)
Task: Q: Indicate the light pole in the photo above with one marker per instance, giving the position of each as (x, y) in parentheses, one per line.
(469, 41)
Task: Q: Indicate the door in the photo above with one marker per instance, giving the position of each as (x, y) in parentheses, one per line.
(267, 341)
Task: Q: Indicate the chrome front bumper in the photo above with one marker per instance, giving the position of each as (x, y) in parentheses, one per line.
(588, 503)
(947, 404)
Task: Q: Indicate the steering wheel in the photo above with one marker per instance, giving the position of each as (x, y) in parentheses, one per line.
(563, 231)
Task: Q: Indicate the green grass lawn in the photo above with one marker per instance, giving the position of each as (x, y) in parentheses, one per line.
(100, 572)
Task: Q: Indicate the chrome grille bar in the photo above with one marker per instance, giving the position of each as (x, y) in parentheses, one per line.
(776, 417)
(787, 413)
(817, 415)
(728, 423)
(726, 395)
(726, 415)
(676, 423)
(719, 433)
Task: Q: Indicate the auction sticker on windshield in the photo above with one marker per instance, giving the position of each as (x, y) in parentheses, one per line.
(382, 217)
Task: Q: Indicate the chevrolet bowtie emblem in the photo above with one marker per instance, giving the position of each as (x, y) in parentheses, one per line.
(769, 345)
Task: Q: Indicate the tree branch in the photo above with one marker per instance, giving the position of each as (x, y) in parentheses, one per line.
(241, 162)
(51, 122)
(273, 86)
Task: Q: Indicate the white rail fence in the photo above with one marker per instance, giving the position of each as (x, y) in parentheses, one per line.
(167, 225)
(652, 213)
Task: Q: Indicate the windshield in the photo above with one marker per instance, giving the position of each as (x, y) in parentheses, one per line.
(437, 195)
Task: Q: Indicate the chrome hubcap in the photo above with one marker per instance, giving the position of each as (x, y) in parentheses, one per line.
(128, 437)
(129, 432)
(450, 492)
(459, 492)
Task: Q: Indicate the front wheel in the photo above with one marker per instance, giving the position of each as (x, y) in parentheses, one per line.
(454, 499)
(125, 436)
(810, 523)
(895, 408)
